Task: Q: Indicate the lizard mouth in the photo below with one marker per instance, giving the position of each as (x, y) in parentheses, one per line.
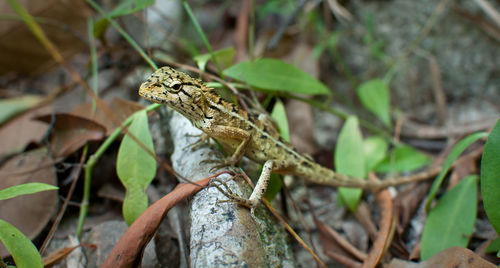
(143, 92)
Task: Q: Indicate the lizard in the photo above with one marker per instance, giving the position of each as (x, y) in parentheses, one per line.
(245, 134)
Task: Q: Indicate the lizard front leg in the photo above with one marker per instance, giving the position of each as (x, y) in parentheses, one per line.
(233, 137)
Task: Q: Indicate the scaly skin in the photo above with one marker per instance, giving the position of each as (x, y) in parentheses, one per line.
(244, 134)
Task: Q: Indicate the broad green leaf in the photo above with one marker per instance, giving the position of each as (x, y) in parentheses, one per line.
(350, 160)
(136, 168)
(224, 56)
(454, 154)
(272, 74)
(27, 188)
(403, 158)
(451, 222)
(374, 95)
(13, 106)
(490, 177)
(23, 251)
(375, 149)
(279, 114)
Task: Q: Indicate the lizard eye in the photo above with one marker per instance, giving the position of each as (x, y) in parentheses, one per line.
(176, 87)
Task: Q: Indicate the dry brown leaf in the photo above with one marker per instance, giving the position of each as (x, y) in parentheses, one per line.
(407, 202)
(337, 247)
(64, 23)
(121, 109)
(28, 213)
(456, 257)
(465, 165)
(58, 255)
(386, 230)
(22, 130)
(71, 132)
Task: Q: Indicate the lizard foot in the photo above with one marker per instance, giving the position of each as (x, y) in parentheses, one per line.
(201, 141)
(221, 163)
(232, 197)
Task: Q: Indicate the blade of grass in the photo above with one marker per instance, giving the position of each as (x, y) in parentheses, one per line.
(452, 156)
(203, 36)
(35, 29)
(123, 33)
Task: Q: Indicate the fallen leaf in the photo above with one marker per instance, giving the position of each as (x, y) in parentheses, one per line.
(452, 257)
(58, 255)
(71, 132)
(121, 109)
(21, 51)
(20, 131)
(28, 213)
(465, 165)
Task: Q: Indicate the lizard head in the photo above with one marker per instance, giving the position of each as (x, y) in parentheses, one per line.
(177, 90)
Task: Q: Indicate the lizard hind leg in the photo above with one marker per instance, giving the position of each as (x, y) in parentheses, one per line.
(260, 188)
(270, 166)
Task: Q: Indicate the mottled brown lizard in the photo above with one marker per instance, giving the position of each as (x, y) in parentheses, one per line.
(242, 133)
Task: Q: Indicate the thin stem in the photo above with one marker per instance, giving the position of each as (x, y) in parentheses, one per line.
(93, 57)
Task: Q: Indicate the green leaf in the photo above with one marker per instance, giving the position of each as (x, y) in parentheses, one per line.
(272, 74)
(129, 6)
(451, 222)
(454, 154)
(350, 160)
(374, 95)
(136, 168)
(279, 114)
(27, 188)
(23, 251)
(403, 158)
(224, 56)
(375, 149)
(13, 106)
(490, 177)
